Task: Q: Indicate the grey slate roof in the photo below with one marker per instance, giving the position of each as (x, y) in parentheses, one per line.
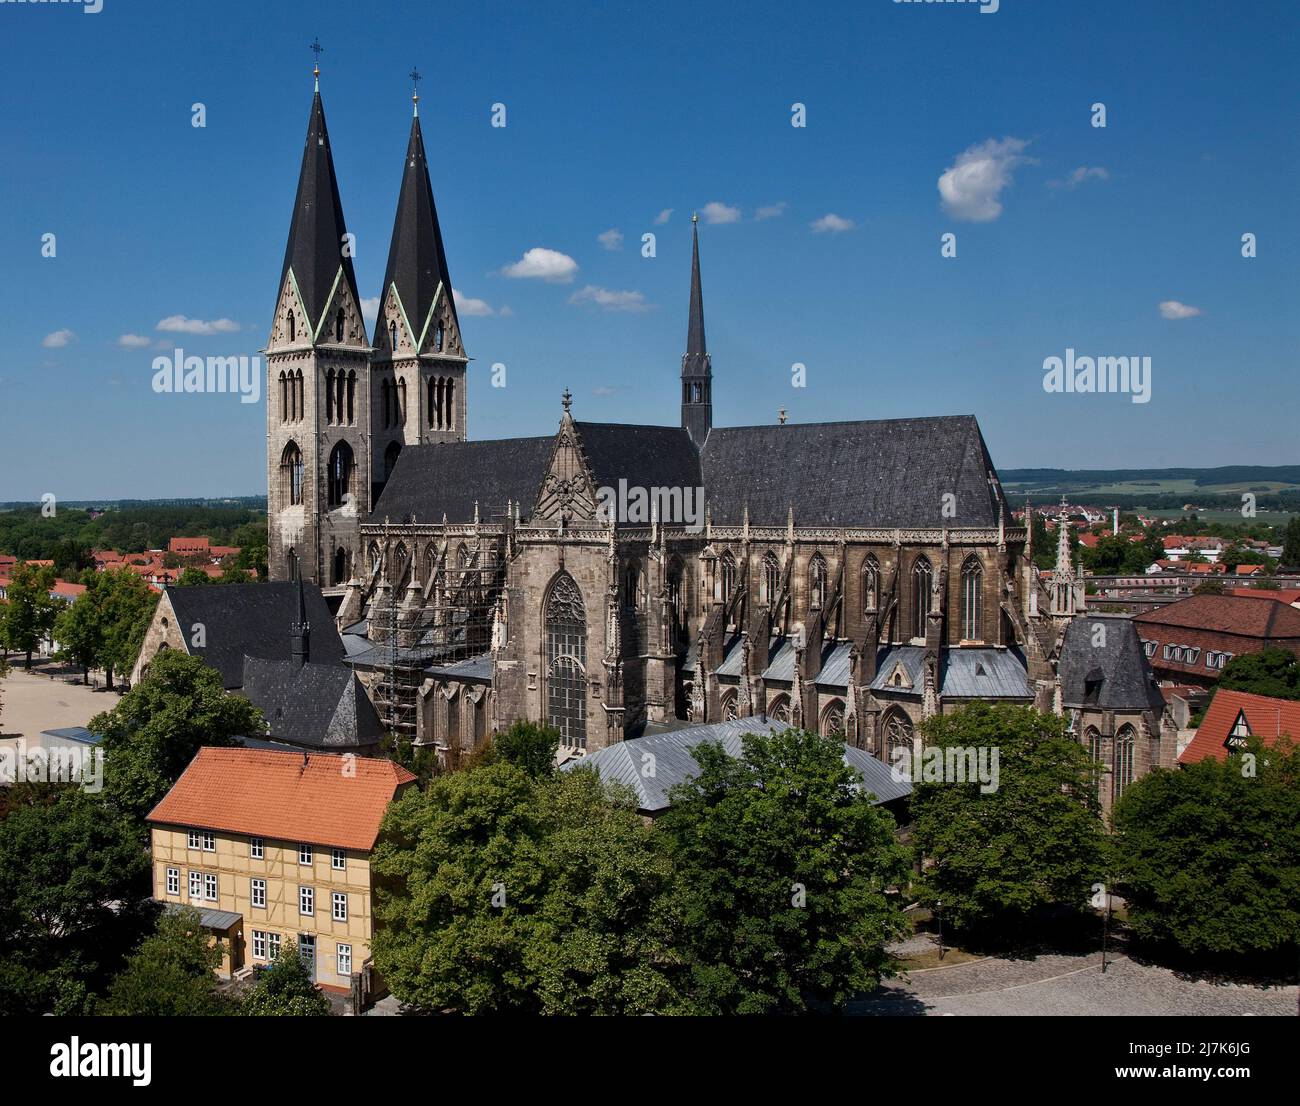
(1111, 675)
(450, 477)
(315, 247)
(781, 666)
(209, 918)
(252, 620)
(695, 363)
(316, 706)
(417, 262)
(912, 658)
(886, 473)
(674, 763)
(648, 456)
(835, 666)
(79, 734)
(984, 673)
(473, 668)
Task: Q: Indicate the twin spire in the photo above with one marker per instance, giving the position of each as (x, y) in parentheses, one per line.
(319, 251)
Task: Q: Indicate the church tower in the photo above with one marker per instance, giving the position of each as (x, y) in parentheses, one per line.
(418, 369)
(317, 385)
(697, 372)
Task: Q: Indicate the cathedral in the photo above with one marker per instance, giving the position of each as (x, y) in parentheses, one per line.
(853, 578)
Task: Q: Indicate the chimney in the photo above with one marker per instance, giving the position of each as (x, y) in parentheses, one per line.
(300, 650)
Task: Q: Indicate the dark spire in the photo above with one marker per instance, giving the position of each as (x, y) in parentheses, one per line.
(697, 371)
(316, 236)
(417, 263)
(301, 632)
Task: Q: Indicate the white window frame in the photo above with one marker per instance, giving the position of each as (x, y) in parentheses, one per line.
(339, 906)
(257, 848)
(273, 946)
(173, 881)
(209, 885)
(209, 841)
(307, 898)
(305, 855)
(338, 860)
(257, 893)
(193, 840)
(343, 959)
(259, 945)
(195, 884)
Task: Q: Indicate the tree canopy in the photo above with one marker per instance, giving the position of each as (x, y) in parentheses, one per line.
(1272, 671)
(170, 974)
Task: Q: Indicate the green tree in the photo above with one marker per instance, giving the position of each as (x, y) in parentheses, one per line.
(285, 989)
(1291, 543)
(30, 612)
(782, 874)
(997, 860)
(192, 577)
(127, 604)
(158, 726)
(73, 874)
(170, 974)
(527, 745)
(1208, 856)
(1272, 671)
(79, 630)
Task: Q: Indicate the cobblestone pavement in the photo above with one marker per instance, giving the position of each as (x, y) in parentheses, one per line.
(1063, 985)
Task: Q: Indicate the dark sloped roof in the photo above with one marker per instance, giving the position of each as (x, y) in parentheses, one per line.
(417, 262)
(889, 472)
(645, 456)
(451, 477)
(1107, 670)
(315, 247)
(319, 706)
(252, 620)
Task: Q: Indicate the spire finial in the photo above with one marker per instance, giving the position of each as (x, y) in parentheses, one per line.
(567, 400)
(316, 49)
(415, 91)
(695, 216)
(781, 416)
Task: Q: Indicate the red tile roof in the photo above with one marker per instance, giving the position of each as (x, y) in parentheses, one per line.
(188, 545)
(1229, 614)
(1281, 595)
(289, 796)
(1266, 718)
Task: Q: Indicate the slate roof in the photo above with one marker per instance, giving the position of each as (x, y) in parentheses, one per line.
(473, 668)
(1110, 671)
(648, 456)
(450, 477)
(288, 796)
(911, 657)
(79, 734)
(695, 363)
(252, 620)
(835, 666)
(886, 473)
(674, 762)
(417, 262)
(975, 672)
(319, 706)
(315, 247)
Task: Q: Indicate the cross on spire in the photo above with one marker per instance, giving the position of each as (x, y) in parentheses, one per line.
(414, 74)
(316, 48)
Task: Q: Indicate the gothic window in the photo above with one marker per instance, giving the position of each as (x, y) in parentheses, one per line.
(870, 584)
(291, 475)
(675, 594)
(352, 396)
(374, 556)
(284, 398)
(400, 560)
(632, 586)
(922, 580)
(293, 327)
(449, 420)
(297, 395)
(1123, 759)
(972, 601)
(390, 458)
(392, 335)
(341, 566)
(437, 339)
(453, 721)
(329, 396)
(431, 401)
(779, 710)
(771, 577)
(339, 474)
(399, 403)
(338, 326)
(566, 662)
(383, 399)
(430, 559)
(730, 711)
(291, 561)
(340, 383)
(817, 581)
(833, 719)
(727, 576)
(1092, 739)
(898, 733)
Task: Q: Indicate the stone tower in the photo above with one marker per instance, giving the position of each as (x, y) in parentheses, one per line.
(697, 372)
(318, 385)
(417, 390)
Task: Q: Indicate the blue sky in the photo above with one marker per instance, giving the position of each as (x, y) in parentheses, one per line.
(1067, 235)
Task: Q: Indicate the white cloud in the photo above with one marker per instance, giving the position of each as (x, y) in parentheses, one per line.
(663, 216)
(1085, 173)
(370, 309)
(1172, 309)
(183, 325)
(611, 239)
(716, 212)
(970, 186)
(468, 305)
(830, 223)
(58, 339)
(133, 341)
(542, 264)
(608, 300)
(771, 211)
(506, 311)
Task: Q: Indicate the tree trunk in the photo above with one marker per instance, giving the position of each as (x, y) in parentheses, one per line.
(85, 675)
(108, 673)
(29, 659)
